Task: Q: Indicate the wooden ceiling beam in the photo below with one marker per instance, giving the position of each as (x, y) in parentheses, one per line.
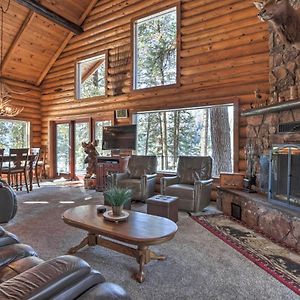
(65, 43)
(50, 15)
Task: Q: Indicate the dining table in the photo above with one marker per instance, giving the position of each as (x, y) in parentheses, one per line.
(31, 157)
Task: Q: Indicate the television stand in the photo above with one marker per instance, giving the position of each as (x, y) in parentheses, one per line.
(106, 166)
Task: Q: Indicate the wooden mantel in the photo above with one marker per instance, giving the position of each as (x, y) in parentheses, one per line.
(277, 107)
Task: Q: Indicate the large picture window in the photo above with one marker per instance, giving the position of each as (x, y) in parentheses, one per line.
(155, 50)
(14, 134)
(190, 132)
(91, 77)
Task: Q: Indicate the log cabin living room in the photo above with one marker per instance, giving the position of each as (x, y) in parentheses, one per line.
(150, 149)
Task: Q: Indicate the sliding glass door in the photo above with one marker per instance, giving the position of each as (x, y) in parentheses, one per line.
(69, 161)
(82, 134)
(63, 149)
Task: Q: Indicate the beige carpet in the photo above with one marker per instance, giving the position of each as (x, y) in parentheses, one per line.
(199, 265)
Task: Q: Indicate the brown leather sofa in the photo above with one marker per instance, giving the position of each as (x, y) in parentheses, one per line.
(25, 276)
(8, 198)
(140, 177)
(193, 183)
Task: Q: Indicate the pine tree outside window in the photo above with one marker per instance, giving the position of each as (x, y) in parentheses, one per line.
(91, 77)
(155, 50)
(188, 132)
(14, 134)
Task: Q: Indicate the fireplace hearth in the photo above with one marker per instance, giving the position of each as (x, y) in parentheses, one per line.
(284, 175)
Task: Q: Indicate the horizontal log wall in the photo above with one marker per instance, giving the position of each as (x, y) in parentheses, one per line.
(224, 56)
(28, 97)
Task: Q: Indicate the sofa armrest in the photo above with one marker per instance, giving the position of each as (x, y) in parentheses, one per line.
(7, 238)
(148, 182)
(115, 177)
(202, 194)
(167, 181)
(14, 252)
(64, 277)
(149, 176)
(105, 291)
(203, 183)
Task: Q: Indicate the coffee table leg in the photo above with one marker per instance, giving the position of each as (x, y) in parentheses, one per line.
(142, 260)
(155, 256)
(90, 240)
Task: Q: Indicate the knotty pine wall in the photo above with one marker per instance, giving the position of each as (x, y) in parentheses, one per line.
(224, 57)
(28, 97)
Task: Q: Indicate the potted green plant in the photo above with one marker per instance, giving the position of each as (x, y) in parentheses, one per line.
(117, 197)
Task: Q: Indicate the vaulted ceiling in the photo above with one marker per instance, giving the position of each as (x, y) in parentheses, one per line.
(32, 43)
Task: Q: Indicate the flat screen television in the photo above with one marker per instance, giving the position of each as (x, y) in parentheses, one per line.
(119, 137)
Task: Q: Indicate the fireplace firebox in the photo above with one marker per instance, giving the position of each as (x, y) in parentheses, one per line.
(284, 175)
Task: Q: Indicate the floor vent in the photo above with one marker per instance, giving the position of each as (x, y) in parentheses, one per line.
(289, 127)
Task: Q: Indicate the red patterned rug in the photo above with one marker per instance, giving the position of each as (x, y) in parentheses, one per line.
(278, 261)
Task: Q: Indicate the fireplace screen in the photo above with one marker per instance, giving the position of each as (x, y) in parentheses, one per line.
(284, 176)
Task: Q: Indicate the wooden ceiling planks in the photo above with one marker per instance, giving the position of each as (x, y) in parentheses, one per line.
(13, 21)
(32, 43)
(72, 10)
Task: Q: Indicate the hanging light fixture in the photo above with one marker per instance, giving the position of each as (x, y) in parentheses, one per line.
(6, 108)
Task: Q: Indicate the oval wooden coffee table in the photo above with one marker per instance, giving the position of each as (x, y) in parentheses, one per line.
(139, 231)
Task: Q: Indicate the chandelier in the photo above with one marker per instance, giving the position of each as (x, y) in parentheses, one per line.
(6, 108)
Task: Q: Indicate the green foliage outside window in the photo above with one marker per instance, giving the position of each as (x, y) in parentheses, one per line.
(95, 84)
(82, 134)
(14, 134)
(156, 52)
(190, 132)
(99, 136)
(91, 77)
(63, 148)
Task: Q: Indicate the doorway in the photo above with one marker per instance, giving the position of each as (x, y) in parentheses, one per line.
(69, 154)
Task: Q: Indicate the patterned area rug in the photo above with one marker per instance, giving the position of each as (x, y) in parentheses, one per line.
(278, 261)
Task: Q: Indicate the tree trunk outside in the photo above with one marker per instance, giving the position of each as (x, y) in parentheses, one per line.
(165, 140)
(204, 134)
(96, 78)
(147, 134)
(161, 141)
(176, 136)
(220, 140)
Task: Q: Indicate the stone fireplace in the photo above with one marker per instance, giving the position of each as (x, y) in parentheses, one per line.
(263, 130)
(273, 139)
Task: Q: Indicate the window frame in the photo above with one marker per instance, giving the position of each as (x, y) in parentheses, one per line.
(77, 79)
(178, 48)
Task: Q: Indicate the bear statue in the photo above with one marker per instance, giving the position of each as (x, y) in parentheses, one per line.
(91, 159)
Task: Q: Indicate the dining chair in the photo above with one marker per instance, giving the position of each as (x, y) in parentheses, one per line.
(42, 162)
(37, 163)
(1, 161)
(17, 167)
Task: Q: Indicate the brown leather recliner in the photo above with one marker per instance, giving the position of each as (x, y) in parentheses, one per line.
(25, 276)
(140, 177)
(193, 183)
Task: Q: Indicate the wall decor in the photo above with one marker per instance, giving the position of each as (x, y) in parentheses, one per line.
(121, 114)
